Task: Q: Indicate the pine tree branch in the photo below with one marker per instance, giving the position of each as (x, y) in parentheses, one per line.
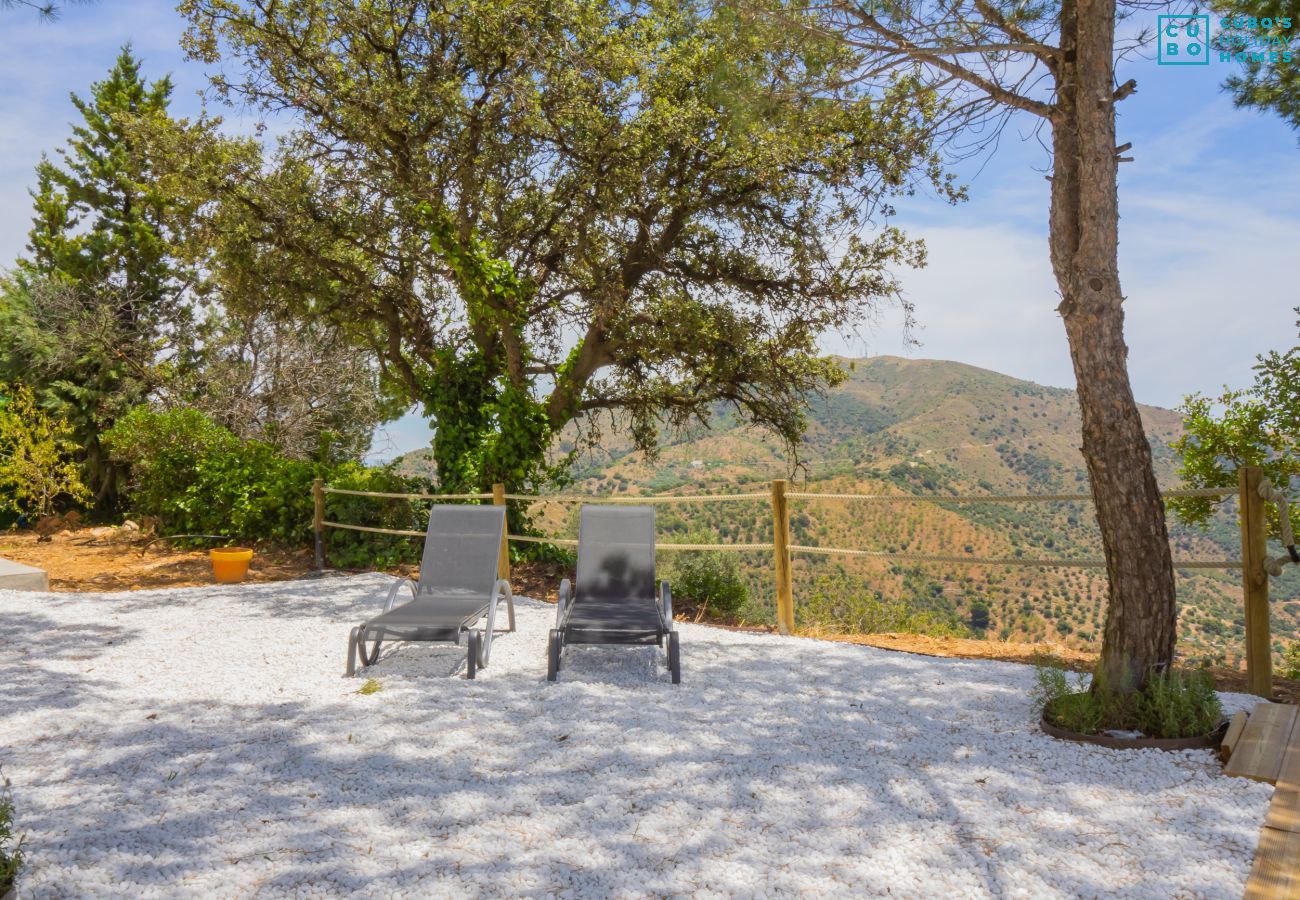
(900, 45)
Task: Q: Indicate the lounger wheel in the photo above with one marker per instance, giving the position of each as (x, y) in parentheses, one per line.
(472, 644)
(553, 656)
(675, 657)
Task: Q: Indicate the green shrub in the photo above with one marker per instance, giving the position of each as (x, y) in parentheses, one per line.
(839, 603)
(353, 549)
(710, 579)
(1173, 704)
(196, 477)
(37, 470)
(1291, 661)
(11, 848)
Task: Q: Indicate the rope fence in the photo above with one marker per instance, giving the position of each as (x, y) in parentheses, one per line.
(800, 548)
(639, 501)
(1006, 560)
(793, 495)
(994, 498)
(1258, 658)
(332, 490)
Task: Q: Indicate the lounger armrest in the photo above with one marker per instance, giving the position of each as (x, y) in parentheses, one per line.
(566, 597)
(666, 604)
(499, 590)
(392, 592)
(502, 589)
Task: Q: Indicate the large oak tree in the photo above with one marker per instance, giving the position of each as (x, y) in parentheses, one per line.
(536, 213)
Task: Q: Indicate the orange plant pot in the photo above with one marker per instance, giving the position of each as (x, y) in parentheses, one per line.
(230, 564)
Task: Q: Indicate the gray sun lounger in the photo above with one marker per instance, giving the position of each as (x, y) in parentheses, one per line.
(615, 600)
(458, 586)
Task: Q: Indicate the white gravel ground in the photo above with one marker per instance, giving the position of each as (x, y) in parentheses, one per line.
(204, 742)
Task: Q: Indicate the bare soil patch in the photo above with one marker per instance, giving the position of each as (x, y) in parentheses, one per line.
(85, 559)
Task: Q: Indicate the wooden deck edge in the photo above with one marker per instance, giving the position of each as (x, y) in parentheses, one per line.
(1275, 874)
(1259, 751)
(1235, 727)
(1284, 810)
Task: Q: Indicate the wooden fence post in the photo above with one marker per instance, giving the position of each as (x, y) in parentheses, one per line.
(503, 562)
(1254, 582)
(781, 548)
(318, 521)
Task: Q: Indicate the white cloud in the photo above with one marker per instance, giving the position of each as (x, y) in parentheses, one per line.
(987, 298)
(1204, 296)
(1208, 233)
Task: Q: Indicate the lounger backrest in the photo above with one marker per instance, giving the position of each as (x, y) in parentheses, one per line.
(616, 552)
(462, 548)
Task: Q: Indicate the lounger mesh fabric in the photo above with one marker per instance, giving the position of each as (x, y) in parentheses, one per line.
(614, 600)
(616, 552)
(457, 586)
(432, 617)
(457, 572)
(458, 552)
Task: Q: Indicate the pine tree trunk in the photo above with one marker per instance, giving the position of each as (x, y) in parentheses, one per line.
(1141, 618)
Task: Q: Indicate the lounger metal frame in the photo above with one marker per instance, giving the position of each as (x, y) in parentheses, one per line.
(478, 643)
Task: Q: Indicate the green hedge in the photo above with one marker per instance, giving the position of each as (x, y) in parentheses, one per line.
(357, 549)
(196, 477)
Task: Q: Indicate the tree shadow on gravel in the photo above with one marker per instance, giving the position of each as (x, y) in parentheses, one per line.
(815, 771)
(39, 654)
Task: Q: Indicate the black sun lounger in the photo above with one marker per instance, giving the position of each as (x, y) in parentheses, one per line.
(615, 601)
(458, 586)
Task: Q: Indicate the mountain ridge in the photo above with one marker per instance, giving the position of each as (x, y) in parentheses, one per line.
(893, 409)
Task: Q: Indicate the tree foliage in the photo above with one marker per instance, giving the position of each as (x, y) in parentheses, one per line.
(1255, 426)
(89, 315)
(536, 213)
(290, 384)
(1271, 80)
(37, 466)
(113, 306)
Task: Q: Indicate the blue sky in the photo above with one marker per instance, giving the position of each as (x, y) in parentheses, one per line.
(1209, 229)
